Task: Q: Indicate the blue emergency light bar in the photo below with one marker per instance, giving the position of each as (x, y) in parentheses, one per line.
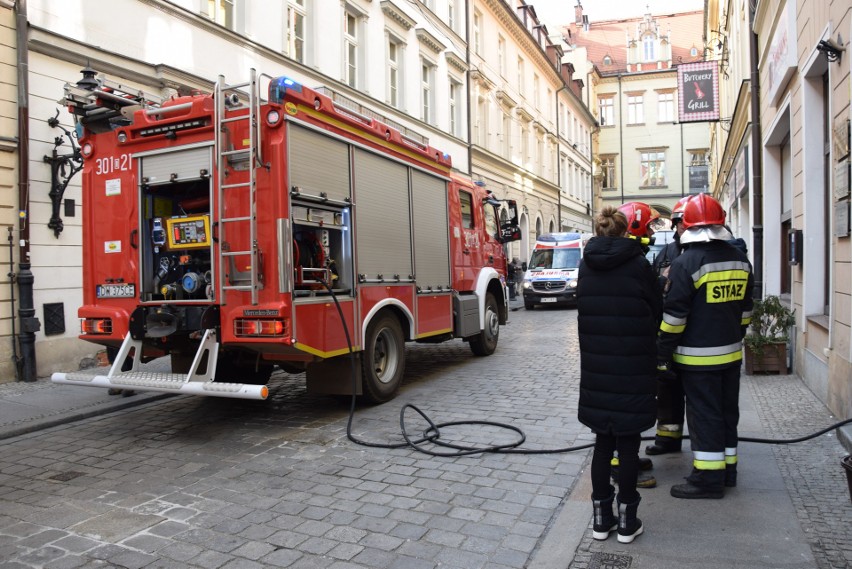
(558, 237)
(278, 87)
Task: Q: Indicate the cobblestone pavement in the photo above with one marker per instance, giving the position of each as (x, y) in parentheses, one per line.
(810, 471)
(816, 482)
(206, 482)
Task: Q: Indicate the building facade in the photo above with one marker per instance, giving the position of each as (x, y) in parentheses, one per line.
(531, 132)
(643, 152)
(785, 171)
(407, 62)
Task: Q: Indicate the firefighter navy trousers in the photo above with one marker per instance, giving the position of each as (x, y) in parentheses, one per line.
(712, 414)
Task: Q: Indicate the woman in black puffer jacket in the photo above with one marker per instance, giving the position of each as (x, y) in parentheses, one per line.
(619, 304)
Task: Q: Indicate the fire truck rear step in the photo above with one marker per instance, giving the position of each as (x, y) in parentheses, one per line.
(191, 383)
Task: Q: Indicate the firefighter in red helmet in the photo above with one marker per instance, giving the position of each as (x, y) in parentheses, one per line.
(705, 315)
(670, 403)
(640, 220)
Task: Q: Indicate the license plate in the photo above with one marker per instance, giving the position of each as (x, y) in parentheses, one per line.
(548, 300)
(116, 290)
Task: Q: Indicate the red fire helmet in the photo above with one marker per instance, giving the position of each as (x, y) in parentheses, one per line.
(639, 217)
(702, 209)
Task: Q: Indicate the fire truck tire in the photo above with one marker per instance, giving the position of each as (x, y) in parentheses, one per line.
(486, 342)
(383, 361)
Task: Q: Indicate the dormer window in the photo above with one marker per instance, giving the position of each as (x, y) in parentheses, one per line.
(693, 52)
(607, 60)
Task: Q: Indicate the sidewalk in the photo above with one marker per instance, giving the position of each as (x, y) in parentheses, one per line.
(26, 407)
(791, 507)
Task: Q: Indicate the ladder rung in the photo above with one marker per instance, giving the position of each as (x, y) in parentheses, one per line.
(238, 287)
(232, 152)
(235, 86)
(240, 185)
(238, 118)
(229, 219)
(235, 253)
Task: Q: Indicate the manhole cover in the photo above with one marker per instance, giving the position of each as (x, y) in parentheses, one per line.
(610, 561)
(66, 476)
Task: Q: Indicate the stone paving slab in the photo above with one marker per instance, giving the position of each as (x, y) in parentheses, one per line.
(206, 482)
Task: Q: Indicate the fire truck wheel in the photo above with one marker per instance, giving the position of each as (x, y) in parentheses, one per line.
(486, 342)
(383, 361)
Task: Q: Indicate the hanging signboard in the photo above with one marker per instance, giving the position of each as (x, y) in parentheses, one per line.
(698, 87)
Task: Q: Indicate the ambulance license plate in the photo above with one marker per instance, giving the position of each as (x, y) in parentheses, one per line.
(548, 300)
(116, 290)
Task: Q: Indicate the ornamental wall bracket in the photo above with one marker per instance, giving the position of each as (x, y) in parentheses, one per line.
(63, 167)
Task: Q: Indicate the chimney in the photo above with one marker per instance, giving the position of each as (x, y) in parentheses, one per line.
(578, 13)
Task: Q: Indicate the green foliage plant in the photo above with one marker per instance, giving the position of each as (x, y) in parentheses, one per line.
(771, 322)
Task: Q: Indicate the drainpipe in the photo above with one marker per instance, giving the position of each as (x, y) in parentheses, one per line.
(26, 310)
(621, 138)
(756, 158)
(559, 163)
(469, 93)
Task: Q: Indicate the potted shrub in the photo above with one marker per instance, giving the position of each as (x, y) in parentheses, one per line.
(769, 332)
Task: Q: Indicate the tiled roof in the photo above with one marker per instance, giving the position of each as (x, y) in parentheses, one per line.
(609, 38)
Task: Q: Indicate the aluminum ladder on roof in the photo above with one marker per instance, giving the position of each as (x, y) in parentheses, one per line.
(232, 98)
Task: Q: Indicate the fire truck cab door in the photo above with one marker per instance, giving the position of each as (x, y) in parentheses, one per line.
(469, 242)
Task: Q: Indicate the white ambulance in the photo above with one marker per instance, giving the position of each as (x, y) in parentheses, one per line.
(551, 274)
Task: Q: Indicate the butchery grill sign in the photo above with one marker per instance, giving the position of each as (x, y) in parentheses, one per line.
(698, 84)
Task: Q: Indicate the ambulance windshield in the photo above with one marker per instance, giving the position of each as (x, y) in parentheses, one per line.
(555, 259)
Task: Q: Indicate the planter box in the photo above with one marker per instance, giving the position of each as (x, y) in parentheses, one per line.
(773, 360)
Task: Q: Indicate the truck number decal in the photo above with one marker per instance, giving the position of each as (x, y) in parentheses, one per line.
(111, 164)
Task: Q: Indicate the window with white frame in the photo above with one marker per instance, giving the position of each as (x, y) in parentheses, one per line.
(635, 109)
(395, 81)
(606, 109)
(481, 120)
(525, 145)
(451, 14)
(665, 107)
(608, 179)
(649, 44)
(501, 55)
(506, 143)
(352, 48)
(536, 92)
(652, 168)
(563, 173)
(296, 18)
(521, 73)
(455, 105)
(222, 12)
(427, 90)
(562, 111)
(477, 32)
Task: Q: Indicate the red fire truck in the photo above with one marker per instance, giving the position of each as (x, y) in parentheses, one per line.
(236, 233)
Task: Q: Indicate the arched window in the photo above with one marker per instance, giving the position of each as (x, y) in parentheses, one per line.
(607, 60)
(694, 51)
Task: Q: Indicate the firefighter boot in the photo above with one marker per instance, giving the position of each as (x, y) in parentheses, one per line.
(668, 439)
(644, 480)
(604, 520)
(629, 526)
(692, 492)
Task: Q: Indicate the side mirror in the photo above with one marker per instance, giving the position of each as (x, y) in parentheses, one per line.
(524, 266)
(509, 229)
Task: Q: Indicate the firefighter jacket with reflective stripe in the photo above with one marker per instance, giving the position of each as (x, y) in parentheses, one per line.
(708, 307)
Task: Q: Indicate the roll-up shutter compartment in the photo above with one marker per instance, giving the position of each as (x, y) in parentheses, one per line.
(178, 166)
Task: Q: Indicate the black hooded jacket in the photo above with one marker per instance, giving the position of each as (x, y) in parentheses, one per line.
(619, 305)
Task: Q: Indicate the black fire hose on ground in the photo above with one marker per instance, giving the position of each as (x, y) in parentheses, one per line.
(432, 435)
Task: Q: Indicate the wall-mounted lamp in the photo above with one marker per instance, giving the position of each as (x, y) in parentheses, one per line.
(831, 50)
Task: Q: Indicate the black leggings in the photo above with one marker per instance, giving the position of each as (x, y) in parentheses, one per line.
(628, 469)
